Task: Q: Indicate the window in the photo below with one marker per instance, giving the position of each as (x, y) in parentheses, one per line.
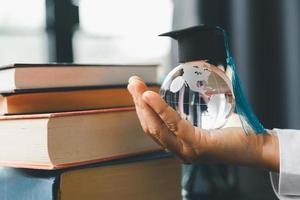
(109, 31)
(116, 31)
(22, 35)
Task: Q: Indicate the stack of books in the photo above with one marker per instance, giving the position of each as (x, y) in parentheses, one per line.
(71, 132)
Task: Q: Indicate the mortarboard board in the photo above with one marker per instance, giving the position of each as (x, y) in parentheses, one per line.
(200, 43)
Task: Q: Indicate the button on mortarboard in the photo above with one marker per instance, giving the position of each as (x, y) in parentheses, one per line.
(200, 43)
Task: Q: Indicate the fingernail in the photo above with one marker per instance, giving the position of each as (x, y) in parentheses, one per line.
(145, 96)
(135, 78)
(130, 79)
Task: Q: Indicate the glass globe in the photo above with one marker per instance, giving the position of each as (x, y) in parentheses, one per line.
(200, 92)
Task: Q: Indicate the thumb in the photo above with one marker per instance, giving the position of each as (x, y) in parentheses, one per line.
(182, 128)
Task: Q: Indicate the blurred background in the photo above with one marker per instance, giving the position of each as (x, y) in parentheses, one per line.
(264, 37)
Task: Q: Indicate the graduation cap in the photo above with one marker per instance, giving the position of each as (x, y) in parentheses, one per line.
(211, 43)
(200, 43)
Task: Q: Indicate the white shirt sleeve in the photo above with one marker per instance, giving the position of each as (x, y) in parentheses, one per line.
(286, 184)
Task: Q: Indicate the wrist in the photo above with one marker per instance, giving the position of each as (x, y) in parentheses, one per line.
(270, 152)
(233, 146)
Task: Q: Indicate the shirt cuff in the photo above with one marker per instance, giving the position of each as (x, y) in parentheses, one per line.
(286, 184)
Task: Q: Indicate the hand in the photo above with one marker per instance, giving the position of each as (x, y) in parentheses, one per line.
(227, 145)
(164, 124)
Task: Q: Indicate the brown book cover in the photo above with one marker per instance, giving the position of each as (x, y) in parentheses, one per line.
(44, 101)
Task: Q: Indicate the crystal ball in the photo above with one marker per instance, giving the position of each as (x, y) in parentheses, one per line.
(200, 92)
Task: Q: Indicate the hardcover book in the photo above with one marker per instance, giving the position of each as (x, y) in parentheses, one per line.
(147, 177)
(65, 99)
(58, 75)
(59, 140)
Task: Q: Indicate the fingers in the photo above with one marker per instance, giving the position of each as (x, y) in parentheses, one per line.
(161, 122)
(182, 128)
(136, 89)
(152, 123)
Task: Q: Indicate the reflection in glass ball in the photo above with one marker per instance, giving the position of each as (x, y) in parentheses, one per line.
(200, 92)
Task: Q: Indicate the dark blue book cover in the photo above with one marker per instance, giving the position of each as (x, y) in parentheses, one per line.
(30, 184)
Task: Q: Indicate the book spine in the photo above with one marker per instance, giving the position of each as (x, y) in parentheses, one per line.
(17, 184)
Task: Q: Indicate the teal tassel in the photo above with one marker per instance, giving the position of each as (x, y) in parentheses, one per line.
(243, 107)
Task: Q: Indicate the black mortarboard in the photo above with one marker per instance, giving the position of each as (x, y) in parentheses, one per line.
(200, 43)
